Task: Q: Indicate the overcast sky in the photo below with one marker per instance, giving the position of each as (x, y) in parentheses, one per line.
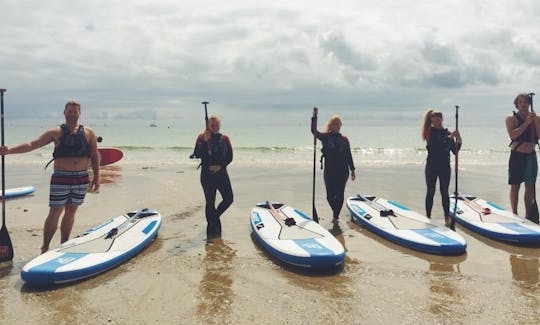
(124, 59)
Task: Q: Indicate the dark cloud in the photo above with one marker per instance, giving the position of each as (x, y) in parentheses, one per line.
(335, 45)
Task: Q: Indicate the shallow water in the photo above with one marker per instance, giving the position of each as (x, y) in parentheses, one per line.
(181, 278)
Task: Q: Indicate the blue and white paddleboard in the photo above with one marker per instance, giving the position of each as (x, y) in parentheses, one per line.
(493, 221)
(403, 226)
(294, 238)
(96, 250)
(19, 191)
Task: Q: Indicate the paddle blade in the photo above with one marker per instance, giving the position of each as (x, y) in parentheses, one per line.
(533, 213)
(6, 248)
(315, 216)
(453, 220)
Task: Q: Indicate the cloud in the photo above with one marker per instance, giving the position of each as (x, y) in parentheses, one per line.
(168, 55)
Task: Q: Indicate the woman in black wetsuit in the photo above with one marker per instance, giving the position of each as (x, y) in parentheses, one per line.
(216, 154)
(439, 143)
(338, 160)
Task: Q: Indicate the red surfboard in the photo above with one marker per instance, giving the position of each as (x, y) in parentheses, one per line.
(109, 156)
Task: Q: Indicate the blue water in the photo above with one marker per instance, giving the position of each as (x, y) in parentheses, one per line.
(276, 139)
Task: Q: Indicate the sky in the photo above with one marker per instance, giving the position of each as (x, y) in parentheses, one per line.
(364, 59)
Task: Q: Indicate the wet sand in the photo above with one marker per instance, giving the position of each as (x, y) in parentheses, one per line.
(182, 279)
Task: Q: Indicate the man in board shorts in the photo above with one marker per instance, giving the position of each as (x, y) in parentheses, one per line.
(74, 145)
(523, 127)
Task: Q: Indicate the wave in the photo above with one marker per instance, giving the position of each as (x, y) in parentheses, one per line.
(302, 149)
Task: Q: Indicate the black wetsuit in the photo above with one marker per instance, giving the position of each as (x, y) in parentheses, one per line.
(439, 145)
(217, 151)
(338, 160)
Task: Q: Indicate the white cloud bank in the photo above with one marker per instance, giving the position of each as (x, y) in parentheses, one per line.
(118, 57)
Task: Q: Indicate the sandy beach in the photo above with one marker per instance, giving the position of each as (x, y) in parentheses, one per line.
(182, 279)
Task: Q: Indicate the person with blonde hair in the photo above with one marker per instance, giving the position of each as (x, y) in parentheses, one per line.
(73, 145)
(439, 143)
(216, 153)
(336, 152)
(522, 128)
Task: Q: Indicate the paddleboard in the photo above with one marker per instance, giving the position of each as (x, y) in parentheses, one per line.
(109, 156)
(294, 238)
(403, 226)
(494, 221)
(96, 250)
(19, 191)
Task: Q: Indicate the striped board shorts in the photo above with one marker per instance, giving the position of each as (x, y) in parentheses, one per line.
(68, 188)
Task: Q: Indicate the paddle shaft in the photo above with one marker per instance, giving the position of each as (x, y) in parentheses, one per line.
(314, 210)
(456, 165)
(6, 247)
(3, 159)
(533, 213)
(206, 115)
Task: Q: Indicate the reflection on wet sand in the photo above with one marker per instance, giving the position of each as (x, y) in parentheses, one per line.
(62, 304)
(525, 272)
(215, 290)
(443, 272)
(444, 295)
(110, 174)
(525, 269)
(5, 269)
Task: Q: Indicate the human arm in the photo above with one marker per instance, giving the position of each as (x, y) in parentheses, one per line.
(314, 131)
(513, 131)
(94, 159)
(349, 158)
(41, 141)
(455, 138)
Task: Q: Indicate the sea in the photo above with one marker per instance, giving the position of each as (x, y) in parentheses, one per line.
(279, 138)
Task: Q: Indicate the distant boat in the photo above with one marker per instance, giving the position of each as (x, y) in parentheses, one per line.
(153, 124)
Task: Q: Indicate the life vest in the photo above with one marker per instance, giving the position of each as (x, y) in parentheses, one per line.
(215, 151)
(526, 136)
(438, 145)
(335, 149)
(72, 144)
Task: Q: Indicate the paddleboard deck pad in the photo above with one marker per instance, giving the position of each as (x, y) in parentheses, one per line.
(18, 191)
(403, 226)
(96, 250)
(294, 238)
(493, 221)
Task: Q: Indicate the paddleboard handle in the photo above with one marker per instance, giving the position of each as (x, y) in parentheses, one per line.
(113, 232)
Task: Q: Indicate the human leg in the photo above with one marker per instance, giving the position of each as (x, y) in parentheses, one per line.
(444, 183)
(67, 222)
(209, 188)
(51, 224)
(431, 181)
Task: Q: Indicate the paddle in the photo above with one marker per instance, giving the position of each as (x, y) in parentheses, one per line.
(473, 205)
(194, 154)
(456, 155)
(533, 211)
(6, 247)
(288, 221)
(314, 210)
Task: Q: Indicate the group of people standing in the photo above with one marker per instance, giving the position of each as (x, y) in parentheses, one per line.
(76, 150)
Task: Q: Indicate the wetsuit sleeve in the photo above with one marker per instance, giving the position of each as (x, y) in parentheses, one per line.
(229, 156)
(314, 131)
(201, 150)
(349, 158)
(454, 146)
